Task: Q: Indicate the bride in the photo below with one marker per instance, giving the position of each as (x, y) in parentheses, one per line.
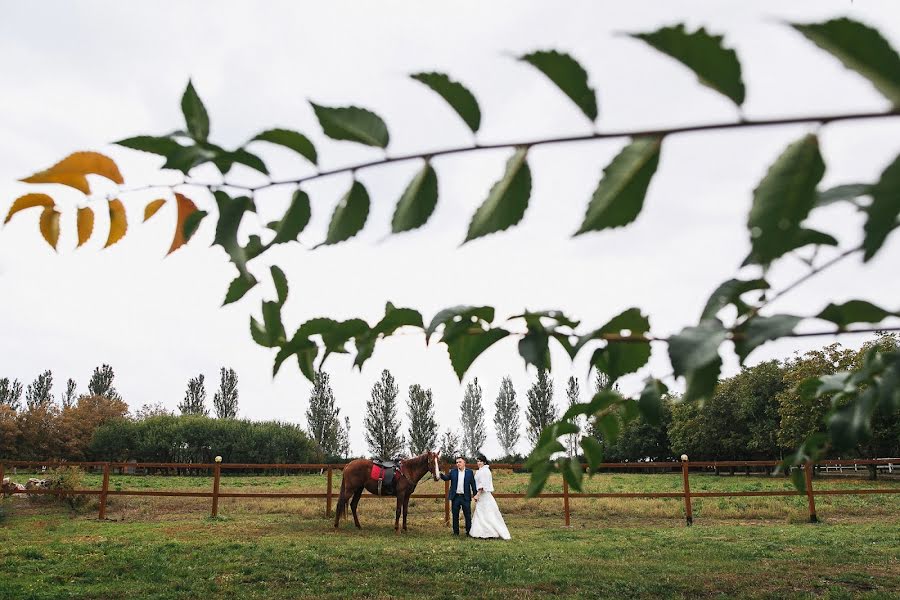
(487, 521)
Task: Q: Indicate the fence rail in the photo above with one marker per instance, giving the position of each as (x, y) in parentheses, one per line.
(684, 466)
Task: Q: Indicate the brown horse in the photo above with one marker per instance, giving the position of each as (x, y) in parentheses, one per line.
(358, 476)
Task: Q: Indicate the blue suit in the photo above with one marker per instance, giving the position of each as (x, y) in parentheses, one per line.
(461, 501)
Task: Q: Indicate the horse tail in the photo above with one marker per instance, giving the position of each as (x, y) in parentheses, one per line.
(341, 504)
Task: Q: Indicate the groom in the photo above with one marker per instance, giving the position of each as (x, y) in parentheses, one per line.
(462, 488)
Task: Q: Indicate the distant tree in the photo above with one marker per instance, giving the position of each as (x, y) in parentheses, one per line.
(9, 432)
(10, 393)
(322, 416)
(640, 440)
(101, 383)
(382, 419)
(450, 446)
(69, 396)
(225, 400)
(77, 423)
(40, 391)
(472, 412)
(423, 429)
(194, 402)
(506, 417)
(148, 411)
(573, 394)
(541, 411)
(344, 439)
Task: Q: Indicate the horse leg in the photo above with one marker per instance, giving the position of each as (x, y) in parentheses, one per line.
(353, 504)
(397, 517)
(341, 507)
(405, 510)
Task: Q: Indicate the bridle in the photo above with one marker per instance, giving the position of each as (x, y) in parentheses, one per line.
(428, 470)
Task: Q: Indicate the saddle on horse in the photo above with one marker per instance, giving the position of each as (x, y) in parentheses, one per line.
(383, 473)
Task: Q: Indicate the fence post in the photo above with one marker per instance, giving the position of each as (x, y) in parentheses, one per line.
(688, 512)
(811, 500)
(446, 504)
(328, 501)
(103, 491)
(217, 471)
(566, 500)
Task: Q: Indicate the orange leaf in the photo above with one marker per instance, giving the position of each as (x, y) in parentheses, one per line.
(151, 208)
(50, 226)
(185, 208)
(71, 171)
(29, 201)
(118, 223)
(85, 224)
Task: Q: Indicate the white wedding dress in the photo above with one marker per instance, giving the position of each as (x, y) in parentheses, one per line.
(487, 522)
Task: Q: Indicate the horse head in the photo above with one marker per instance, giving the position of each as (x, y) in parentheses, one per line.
(434, 459)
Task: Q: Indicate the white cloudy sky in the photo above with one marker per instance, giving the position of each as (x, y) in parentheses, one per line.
(76, 76)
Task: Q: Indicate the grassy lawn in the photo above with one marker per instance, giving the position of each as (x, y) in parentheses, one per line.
(169, 548)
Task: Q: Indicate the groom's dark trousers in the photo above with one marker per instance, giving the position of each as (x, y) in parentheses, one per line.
(461, 501)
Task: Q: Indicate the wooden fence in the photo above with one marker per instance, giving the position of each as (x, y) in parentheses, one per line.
(566, 496)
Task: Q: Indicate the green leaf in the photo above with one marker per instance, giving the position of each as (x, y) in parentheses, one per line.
(568, 75)
(231, 213)
(730, 292)
(650, 401)
(783, 199)
(259, 335)
(701, 382)
(393, 319)
(573, 473)
(884, 210)
(459, 319)
(456, 95)
(295, 219)
(187, 157)
(696, 347)
(349, 216)
(716, 66)
(306, 352)
(192, 223)
(163, 146)
(620, 358)
(242, 284)
(272, 323)
(619, 196)
(862, 49)
(294, 140)
(760, 330)
(353, 124)
(418, 201)
(601, 401)
(843, 193)
(853, 311)
(281, 284)
(539, 476)
(506, 203)
(534, 348)
(464, 349)
(248, 159)
(593, 451)
(195, 116)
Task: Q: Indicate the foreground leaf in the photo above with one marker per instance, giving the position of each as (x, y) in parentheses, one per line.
(783, 200)
(843, 193)
(349, 215)
(164, 146)
(506, 203)
(281, 284)
(883, 212)
(152, 208)
(118, 222)
(241, 284)
(71, 171)
(619, 196)
(716, 66)
(49, 226)
(85, 223)
(853, 311)
(195, 116)
(696, 347)
(456, 95)
(294, 140)
(730, 292)
(862, 49)
(393, 319)
(620, 358)
(29, 201)
(759, 330)
(295, 219)
(186, 208)
(417, 202)
(353, 124)
(568, 75)
(458, 320)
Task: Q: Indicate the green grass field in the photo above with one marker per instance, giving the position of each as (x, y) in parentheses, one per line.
(170, 548)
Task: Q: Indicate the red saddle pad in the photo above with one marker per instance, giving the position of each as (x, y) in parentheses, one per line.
(377, 472)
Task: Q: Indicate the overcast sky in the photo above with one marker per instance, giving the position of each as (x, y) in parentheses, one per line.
(76, 76)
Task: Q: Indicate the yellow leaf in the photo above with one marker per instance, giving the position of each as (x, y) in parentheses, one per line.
(151, 208)
(185, 208)
(71, 171)
(50, 226)
(29, 201)
(85, 224)
(118, 224)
